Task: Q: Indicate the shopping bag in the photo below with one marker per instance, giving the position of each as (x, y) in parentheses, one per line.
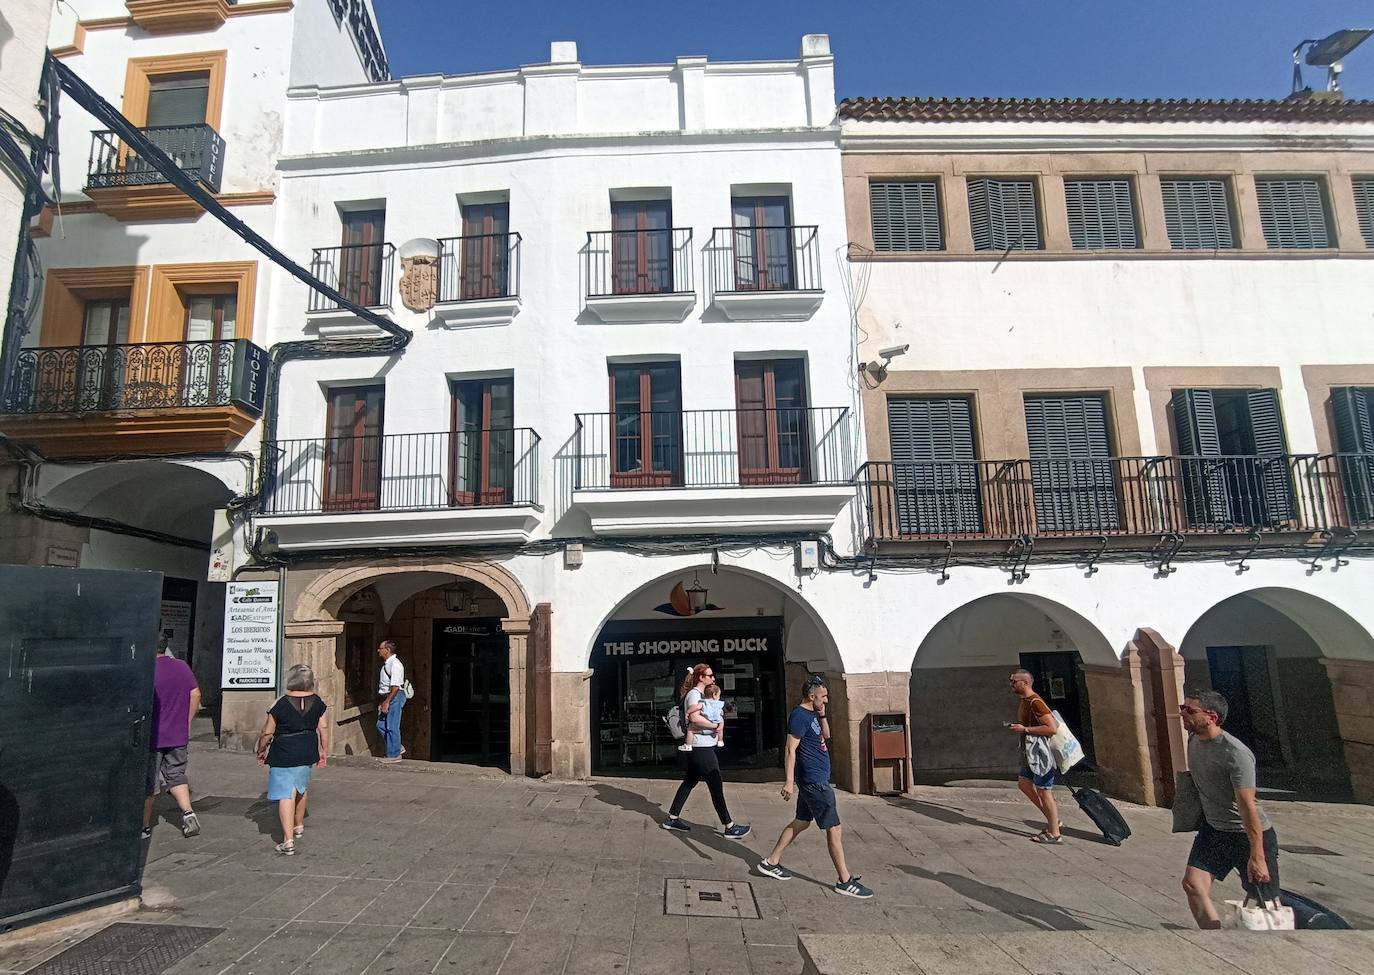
(1187, 808)
(1039, 756)
(1255, 914)
(1067, 751)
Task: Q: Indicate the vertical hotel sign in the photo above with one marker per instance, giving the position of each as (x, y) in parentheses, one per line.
(250, 636)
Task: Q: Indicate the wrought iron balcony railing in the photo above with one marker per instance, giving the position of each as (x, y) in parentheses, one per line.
(145, 376)
(761, 259)
(197, 150)
(639, 262)
(713, 448)
(1005, 499)
(479, 266)
(403, 472)
(362, 273)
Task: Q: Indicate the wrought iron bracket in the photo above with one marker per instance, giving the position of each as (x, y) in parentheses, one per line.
(1164, 552)
(1241, 567)
(1019, 554)
(944, 567)
(1091, 564)
(1334, 547)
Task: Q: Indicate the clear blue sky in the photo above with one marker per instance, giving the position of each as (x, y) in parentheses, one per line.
(1032, 48)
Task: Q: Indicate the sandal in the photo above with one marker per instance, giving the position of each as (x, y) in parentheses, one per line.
(285, 849)
(1047, 839)
(298, 832)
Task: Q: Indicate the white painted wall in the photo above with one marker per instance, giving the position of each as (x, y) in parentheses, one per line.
(322, 50)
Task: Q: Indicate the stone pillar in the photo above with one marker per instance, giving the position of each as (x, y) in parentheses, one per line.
(319, 644)
(1352, 692)
(571, 745)
(517, 632)
(853, 697)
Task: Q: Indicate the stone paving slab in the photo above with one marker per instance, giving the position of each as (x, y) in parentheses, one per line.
(426, 868)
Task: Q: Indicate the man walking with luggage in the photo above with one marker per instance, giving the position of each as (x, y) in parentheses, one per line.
(1033, 719)
(176, 699)
(1235, 833)
(390, 688)
(808, 766)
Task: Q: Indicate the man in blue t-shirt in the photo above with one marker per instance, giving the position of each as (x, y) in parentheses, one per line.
(808, 766)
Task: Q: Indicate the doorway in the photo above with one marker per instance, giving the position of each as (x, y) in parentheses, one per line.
(471, 693)
(1059, 681)
(1241, 675)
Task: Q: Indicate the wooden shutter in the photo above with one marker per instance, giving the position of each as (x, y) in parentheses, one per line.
(1101, 214)
(1271, 456)
(906, 216)
(1004, 214)
(1197, 213)
(1352, 409)
(1199, 440)
(1292, 212)
(935, 473)
(1364, 207)
(1071, 472)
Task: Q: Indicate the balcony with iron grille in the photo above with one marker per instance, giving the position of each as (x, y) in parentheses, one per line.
(765, 273)
(157, 397)
(1120, 502)
(698, 472)
(128, 186)
(479, 280)
(362, 273)
(452, 487)
(639, 275)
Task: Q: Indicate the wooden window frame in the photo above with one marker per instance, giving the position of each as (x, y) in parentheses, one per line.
(646, 478)
(66, 291)
(493, 273)
(486, 494)
(635, 242)
(359, 497)
(172, 282)
(773, 472)
(759, 235)
(371, 272)
(140, 72)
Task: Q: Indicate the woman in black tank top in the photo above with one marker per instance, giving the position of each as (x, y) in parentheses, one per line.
(294, 741)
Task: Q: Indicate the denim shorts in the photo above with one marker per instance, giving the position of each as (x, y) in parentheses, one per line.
(1045, 781)
(816, 801)
(283, 782)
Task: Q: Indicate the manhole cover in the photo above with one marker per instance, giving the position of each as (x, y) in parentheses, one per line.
(128, 949)
(1310, 851)
(709, 898)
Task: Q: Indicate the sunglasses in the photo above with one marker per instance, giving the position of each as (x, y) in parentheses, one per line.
(815, 680)
(1185, 709)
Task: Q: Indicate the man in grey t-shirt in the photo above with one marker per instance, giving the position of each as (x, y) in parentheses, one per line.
(1236, 834)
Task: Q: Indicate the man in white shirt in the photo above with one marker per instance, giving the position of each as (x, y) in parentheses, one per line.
(393, 698)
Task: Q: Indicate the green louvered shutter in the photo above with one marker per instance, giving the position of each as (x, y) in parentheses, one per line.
(1271, 464)
(1292, 212)
(1071, 473)
(1197, 213)
(1004, 214)
(906, 216)
(1352, 408)
(1101, 214)
(1364, 207)
(934, 465)
(1199, 465)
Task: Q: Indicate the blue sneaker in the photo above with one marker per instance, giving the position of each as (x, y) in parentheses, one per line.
(736, 832)
(775, 870)
(852, 888)
(673, 824)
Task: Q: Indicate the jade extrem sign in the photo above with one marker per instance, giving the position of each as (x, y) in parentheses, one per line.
(250, 636)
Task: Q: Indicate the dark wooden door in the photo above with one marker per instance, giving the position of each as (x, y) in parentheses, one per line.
(361, 258)
(641, 233)
(762, 243)
(486, 251)
(483, 442)
(774, 435)
(353, 449)
(646, 425)
(472, 693)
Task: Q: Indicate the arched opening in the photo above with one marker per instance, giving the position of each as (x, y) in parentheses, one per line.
(761, 639)
(1270, 652)
(960, 697)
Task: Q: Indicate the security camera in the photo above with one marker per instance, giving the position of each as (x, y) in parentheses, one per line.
(892, 351)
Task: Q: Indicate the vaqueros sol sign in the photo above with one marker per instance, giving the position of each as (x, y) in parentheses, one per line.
(250, 636)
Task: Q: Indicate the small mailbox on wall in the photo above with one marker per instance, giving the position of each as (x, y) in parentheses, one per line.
(887, 743)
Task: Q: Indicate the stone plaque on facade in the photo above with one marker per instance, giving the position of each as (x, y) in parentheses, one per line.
(419, 282)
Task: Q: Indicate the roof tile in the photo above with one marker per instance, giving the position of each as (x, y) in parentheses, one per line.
(1104, 110)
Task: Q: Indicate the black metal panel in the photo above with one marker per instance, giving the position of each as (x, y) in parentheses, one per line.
(76, 689)
(129, 949)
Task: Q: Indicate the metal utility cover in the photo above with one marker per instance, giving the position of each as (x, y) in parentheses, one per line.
(709, 898)
(128, 949)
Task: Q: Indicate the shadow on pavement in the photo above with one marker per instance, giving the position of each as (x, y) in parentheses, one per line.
(1042, 915)
(952, 817)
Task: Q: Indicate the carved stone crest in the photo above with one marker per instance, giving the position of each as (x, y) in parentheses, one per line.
(419, 282)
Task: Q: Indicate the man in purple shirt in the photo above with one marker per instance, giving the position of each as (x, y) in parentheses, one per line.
(176, 699)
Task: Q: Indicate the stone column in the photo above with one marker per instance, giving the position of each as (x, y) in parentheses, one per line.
(517, 632)
(572, 730)
(317, 643)
(1352, 691)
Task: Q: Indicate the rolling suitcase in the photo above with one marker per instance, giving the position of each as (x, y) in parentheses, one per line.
(1310, 915)
(1099, 809)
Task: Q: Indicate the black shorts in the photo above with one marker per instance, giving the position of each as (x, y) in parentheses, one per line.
(816, 802)
(1221, 851)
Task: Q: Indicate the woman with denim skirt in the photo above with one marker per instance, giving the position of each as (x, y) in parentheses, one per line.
(293, 742)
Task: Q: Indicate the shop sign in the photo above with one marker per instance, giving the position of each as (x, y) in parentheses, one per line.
(468, 629)
(250, 636)
(704, 646)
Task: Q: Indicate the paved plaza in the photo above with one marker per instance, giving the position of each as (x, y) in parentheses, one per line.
(424, 868)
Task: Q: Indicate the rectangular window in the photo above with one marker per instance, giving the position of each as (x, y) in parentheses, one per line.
(1004, 214)
(762, 243)
(1072, 475)
(483, 441)
(1197, 213)
(774, 435)
(1233, 458)
(361, 258)
(1293, 212)
(353, 449)
(105, 326)
(178, 99)
(1101, 214)
(906, 216)
(1364, 207)
(486, 251)
(211, 324)
(642, 247)
(934, 465)
(646, 408)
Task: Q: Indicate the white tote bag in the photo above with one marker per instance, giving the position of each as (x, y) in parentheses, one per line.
(1067, 751)
(1253, 914)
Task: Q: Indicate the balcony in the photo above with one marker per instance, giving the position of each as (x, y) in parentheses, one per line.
(479, 280)
(639, 275)
(1001, 500)
(713, 471)
(163, 397)
(403, 489)
(129, 187)
(362, 273)
(765, 273)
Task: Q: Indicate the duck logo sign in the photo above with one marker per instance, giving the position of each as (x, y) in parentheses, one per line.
(250, 636)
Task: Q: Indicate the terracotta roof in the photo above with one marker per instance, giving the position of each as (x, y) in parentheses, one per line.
(1103, 110)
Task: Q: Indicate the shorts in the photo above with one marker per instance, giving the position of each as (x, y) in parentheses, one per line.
(1045, 781)
(1220, 851)
(816, 802)
(166, 768)
(287, 783)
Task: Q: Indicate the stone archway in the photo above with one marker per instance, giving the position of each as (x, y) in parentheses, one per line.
(323, 597)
